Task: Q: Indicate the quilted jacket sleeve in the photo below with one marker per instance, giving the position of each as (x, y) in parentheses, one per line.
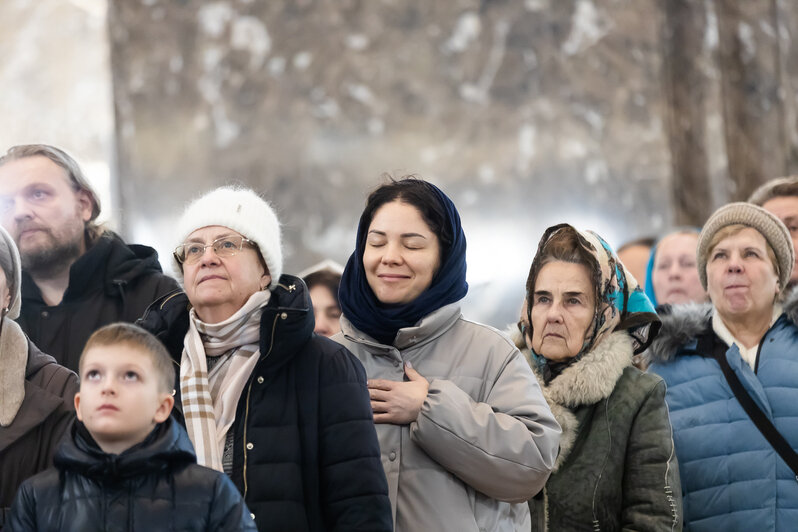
(353, 487)
(22, 517)
(229, 513)
(512, 434)
(652, 497)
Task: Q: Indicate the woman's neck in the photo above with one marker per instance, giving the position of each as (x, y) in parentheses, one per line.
(748, 329)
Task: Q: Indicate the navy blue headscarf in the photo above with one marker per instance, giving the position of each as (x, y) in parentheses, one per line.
(383, 321)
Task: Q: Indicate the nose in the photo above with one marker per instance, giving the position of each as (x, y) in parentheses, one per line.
(209, 257)
(18, 209)
(391, 254)
(735, 264)
(554, 314)
(675, 270)
(108, 387)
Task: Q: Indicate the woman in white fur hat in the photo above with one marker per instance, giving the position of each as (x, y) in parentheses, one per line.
(283, 411)
(36, 393)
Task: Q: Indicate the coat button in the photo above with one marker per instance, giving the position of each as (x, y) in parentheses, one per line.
(284, 315)
(45, 314)
(252, 516)
(260, 380)
(392, 456)
(250, 446)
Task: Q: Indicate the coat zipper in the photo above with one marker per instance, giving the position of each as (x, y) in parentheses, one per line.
(246, 409)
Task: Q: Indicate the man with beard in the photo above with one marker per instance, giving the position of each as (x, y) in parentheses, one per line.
(76, 276)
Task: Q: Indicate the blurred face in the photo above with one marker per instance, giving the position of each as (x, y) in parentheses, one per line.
(401, 255)
(635, 258)
(562, 310)
(740, 276)
(218, 286)
(43, 213)
(325, 310)
(785, 208)
(120, 401)
(675, 275)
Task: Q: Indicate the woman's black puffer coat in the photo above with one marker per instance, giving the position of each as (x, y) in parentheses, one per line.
(155, 485)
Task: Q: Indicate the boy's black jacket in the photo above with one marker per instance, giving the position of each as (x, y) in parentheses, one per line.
(155, 485)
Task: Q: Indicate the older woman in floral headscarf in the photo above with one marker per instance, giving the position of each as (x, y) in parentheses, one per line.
(585, 318)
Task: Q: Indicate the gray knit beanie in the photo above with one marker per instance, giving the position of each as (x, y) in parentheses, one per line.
(757, 218)
(243, 211)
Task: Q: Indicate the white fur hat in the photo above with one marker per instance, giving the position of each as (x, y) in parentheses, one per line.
(243, 211)
(9, 259)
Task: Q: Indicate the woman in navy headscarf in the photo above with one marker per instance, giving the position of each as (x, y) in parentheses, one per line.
(465, 434)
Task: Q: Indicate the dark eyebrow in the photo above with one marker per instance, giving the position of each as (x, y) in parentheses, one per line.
(542, 293)
(574, 293)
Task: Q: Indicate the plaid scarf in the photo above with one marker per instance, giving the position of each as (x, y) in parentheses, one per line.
(210, 398)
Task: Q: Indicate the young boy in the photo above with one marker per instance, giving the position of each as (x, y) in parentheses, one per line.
(126, 464)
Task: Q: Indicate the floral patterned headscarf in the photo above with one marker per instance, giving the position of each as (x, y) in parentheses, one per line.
(620, 303)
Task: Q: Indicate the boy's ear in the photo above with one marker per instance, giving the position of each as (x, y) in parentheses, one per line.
(164, 408)
(77, 406)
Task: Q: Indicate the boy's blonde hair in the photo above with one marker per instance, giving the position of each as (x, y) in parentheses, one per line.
(134, 336)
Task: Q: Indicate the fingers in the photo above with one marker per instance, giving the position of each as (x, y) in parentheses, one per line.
(380, 384)
(379, 407)
(376, 394)
(412, 374)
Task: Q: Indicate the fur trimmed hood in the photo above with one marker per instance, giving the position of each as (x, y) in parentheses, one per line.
(589, 380)
(685, 322)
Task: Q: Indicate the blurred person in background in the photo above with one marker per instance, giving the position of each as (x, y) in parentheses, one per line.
(76, 275)
(780, 197)
(465, 434)
(584, 321)
(634, 255)
(732, 373)
(285, 413)
(36, 394)
(672, 275)
(323, 281)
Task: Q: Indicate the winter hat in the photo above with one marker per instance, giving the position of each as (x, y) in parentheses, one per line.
(775, 188)
(243, 211)
(757, 218)
(9, 262)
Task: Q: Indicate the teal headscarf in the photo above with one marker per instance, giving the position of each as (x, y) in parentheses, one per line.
(620, 303)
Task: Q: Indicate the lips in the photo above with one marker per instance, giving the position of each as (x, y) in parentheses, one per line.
(108, 407)
(210, 278)
(392, 277)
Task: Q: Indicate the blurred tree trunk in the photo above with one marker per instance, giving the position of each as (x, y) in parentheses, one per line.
(735, 53)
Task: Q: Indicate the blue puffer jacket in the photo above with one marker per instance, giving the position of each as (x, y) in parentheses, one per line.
(732, 479)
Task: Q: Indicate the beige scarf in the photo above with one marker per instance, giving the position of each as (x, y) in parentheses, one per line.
(13, 361)
(210, 399)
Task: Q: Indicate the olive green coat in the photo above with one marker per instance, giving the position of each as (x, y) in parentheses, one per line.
(617, 468)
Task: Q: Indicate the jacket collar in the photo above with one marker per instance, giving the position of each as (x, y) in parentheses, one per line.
(428, 329)
(593, 377)
(589, 380)
(287, 322)
(108, 265)
(683, 324)
(167, 444)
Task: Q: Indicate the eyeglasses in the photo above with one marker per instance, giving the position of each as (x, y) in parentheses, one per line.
(226, 246)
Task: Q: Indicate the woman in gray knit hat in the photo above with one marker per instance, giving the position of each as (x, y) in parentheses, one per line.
(35, 393)
(720, 359)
